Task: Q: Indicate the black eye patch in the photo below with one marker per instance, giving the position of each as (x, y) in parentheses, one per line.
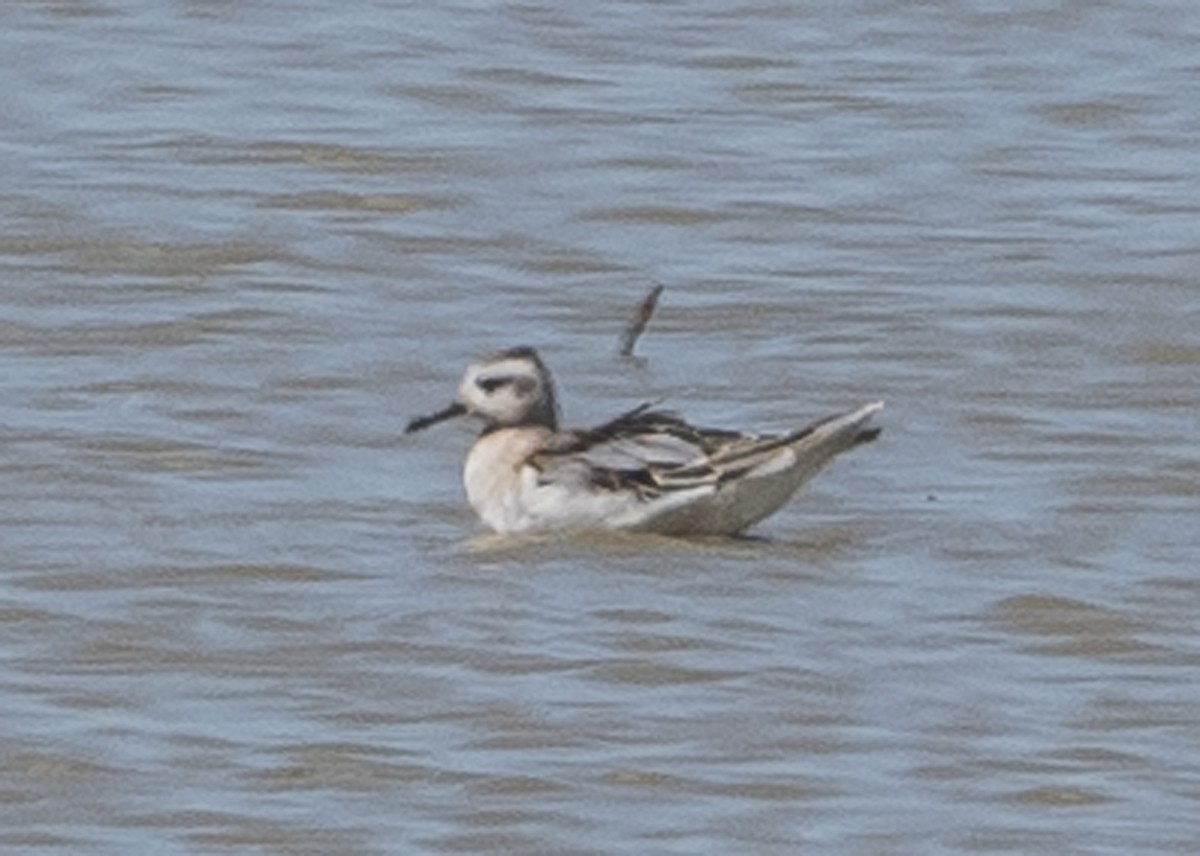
(491, 384)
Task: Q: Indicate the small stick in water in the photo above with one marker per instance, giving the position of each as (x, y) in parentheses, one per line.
(641, 317)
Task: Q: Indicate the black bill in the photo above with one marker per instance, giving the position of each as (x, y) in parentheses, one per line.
(423, 422)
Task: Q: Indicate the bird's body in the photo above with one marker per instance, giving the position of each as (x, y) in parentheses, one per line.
(646, 470)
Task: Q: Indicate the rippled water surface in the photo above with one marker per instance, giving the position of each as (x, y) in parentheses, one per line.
(241, 243)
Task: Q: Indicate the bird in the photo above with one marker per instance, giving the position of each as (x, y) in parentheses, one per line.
(647, 470)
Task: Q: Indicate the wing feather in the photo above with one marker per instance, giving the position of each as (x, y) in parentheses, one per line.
(649, 451)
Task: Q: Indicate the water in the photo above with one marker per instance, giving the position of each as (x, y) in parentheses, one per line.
(243, 243)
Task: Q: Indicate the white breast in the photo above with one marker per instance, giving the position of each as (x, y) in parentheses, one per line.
(497, 480)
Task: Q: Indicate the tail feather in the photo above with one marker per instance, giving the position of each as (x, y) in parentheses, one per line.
(818, 443)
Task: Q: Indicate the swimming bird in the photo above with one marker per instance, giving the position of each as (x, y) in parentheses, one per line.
(646, 470)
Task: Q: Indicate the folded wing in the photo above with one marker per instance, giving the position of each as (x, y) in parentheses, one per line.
(656, 452)
(648, 450)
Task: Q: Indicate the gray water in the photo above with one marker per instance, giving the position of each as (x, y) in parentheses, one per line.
(241, 243)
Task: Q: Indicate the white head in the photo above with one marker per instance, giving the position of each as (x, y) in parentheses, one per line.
(505, 390)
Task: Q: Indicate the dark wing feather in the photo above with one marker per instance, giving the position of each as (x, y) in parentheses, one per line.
(649, 451)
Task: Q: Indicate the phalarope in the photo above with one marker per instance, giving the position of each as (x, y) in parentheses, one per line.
(645, 470)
